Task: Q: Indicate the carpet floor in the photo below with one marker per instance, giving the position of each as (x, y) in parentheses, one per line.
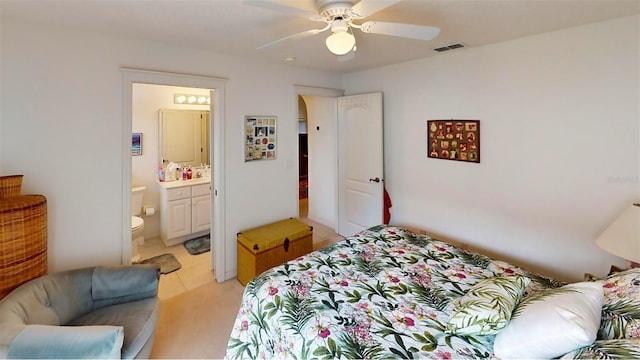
(197, 324)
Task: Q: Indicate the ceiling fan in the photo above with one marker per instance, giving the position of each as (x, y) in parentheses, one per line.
(339, 16)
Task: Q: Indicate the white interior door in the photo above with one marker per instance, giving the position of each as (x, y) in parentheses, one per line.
(360, 163)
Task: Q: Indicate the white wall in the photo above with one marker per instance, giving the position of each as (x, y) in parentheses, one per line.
(62, 111)
(323, 152)
(147, 100)
(560, 143)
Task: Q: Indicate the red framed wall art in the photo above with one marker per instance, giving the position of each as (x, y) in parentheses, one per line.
(454, 140)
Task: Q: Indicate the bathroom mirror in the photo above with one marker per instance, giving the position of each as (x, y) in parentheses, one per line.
(184, 137)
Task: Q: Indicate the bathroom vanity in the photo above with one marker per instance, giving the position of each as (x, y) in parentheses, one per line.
(185, 210)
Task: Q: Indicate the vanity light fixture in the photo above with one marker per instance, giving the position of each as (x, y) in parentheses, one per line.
(191, 99)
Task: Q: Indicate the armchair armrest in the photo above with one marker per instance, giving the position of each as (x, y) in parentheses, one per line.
(110, 282)
(67, 342)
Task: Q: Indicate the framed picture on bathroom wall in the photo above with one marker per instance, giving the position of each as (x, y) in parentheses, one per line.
(136, 144)
(260, 141)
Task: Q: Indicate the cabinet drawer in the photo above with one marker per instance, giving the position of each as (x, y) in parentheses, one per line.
(203, 189)
(179, 193)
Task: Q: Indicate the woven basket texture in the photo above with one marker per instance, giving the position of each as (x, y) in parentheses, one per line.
(10, 186)
(23, 240)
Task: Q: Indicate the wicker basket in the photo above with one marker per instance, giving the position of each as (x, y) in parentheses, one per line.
(10, 186)
(23, 240)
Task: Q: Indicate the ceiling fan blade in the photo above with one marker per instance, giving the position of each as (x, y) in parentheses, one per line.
(279, 7)
(298, 35)
(369, 7)
(418, 32)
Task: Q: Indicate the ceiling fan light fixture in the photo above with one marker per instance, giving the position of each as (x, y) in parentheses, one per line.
(340, 42)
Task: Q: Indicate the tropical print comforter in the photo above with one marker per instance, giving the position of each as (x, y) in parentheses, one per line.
(383, 293)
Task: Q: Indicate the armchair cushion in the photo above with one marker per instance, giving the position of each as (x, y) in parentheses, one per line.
(137, 318)
(67, 342)
(116, 281)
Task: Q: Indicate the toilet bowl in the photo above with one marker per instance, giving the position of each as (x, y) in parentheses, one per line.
(137, 223)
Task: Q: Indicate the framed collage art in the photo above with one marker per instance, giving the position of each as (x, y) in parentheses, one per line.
(454, 140)
(260, 137)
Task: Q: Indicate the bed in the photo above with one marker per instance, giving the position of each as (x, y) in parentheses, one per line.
(388, 292)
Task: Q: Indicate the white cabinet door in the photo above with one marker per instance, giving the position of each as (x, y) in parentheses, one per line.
(201, 213)
(178, 218)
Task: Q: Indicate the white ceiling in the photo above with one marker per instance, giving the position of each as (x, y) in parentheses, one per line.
(235, 28)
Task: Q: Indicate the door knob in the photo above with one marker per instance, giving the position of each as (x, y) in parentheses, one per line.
(377, 179)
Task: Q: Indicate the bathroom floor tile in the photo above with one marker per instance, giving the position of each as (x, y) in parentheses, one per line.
(170, 285)
(196, 275)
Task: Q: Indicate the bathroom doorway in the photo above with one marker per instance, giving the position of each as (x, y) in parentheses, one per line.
(173, 134)
(303, 158)
(216, 88)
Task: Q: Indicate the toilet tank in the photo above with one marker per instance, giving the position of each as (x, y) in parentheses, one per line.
(137, 195)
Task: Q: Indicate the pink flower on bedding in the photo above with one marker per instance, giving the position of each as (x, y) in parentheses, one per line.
(633, 329)
(242, 330)
(320, 327)
(443, 355)
(408, 321)
(402, 321)
(301, 291)
(454, 274)
(390, 276)
(421, 274)
(338, 282)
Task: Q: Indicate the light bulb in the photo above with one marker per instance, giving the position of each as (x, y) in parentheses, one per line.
(180, 99)
(340, 42)
(191, 99)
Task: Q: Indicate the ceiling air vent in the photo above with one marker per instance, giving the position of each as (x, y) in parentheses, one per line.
(449, 47)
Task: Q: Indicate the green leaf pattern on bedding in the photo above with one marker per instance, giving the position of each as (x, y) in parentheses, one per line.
(621, 308)
(487, 307)
(623, 349)
(383, 293)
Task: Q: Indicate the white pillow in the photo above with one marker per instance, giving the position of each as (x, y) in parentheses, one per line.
(552, 323)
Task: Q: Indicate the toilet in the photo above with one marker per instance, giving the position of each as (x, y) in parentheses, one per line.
(137, 223)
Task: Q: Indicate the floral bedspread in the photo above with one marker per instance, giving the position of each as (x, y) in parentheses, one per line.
(383, 293)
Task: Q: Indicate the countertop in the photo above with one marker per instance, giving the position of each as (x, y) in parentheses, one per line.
(182, 183)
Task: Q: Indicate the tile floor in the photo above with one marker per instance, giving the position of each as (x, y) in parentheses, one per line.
(196, 269)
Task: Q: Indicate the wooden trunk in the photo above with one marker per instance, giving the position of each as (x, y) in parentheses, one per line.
(264, 247)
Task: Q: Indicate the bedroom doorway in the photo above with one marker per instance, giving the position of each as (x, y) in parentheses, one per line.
(303, 158)
(347, 199)
(317, 168)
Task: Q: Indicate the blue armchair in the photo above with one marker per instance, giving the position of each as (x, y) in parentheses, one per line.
(96, 312)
